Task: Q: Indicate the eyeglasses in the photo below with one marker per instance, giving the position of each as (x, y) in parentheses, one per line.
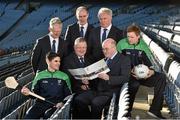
(107, 49)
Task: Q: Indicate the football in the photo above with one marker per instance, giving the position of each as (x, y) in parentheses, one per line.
(141, 71)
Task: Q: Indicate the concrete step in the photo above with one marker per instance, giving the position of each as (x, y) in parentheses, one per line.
(142, 103)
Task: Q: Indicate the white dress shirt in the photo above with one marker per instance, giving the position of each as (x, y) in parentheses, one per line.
(51, 41)
(107, 31)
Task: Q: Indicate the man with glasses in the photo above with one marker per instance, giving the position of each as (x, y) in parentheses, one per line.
(111, 82)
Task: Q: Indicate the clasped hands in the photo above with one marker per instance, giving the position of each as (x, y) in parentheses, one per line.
(85, 85)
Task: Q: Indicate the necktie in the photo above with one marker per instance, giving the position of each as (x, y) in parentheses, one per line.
(108, 61)
(81, 59)
(54, 46)
(104, 35)
(82, 32)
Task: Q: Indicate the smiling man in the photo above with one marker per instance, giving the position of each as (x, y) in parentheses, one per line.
(84, 89)
(50, 42)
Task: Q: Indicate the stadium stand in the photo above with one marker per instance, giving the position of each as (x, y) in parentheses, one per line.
(173, 89)
(11, 100)
(166, 38)
(111, 108)
(172, 71)
(20, 111)
(65, 111)
(123, 102)
(16, 55)
(19, 30)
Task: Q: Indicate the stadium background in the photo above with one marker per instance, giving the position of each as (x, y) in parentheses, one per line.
(23, 21)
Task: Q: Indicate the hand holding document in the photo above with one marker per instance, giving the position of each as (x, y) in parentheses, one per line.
(90, 72)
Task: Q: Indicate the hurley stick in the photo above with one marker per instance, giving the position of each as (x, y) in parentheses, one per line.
(11, 82)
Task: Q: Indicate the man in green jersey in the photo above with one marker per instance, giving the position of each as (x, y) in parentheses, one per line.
(139, 53)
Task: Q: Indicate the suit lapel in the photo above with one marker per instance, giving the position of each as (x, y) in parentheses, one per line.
(87, 31)
(87, 62)
(77, 31)
(48, 43)
(99, 35)
(114, 60)
(110, 32)
(76, 60)
(59, 45)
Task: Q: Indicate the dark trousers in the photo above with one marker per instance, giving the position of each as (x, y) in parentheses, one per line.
(97, 105)
(81, 105)
(89, 105)
(158, 81)
(37, 110)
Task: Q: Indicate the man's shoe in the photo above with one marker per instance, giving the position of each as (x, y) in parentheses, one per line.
(155, 115)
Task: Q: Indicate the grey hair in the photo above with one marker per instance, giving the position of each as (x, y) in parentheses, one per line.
(80, 9)
(53, 21)
(79, 40)
(105, 10)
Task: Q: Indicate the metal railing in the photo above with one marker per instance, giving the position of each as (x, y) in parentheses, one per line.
(20, 112)
(64, 112)
(172, 70)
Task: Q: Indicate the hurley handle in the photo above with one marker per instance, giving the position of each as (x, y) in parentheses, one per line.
(11, 82)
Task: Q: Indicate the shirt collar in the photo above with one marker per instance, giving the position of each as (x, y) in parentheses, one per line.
(51, 38)
(108, 28)
(85, 25)
(80, 57)
(114, 55)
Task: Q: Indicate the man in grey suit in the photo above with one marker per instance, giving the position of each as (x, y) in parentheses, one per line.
(112, 81)
(50, 42)
(79, 29)
(99, 34)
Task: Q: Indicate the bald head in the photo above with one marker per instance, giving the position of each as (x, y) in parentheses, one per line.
(109, 41)
(109, 47)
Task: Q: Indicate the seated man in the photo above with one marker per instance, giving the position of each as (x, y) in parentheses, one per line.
(111, 82)
(139, 53)
(51, 84)
(84, 89)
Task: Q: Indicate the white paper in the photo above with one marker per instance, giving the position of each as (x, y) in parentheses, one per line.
(90, 72)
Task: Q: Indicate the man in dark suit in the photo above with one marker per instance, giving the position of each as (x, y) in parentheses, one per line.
(111, 82)
(84, 89)
(77, 59)
(99, 34)
(79, 29)
(50, 42)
